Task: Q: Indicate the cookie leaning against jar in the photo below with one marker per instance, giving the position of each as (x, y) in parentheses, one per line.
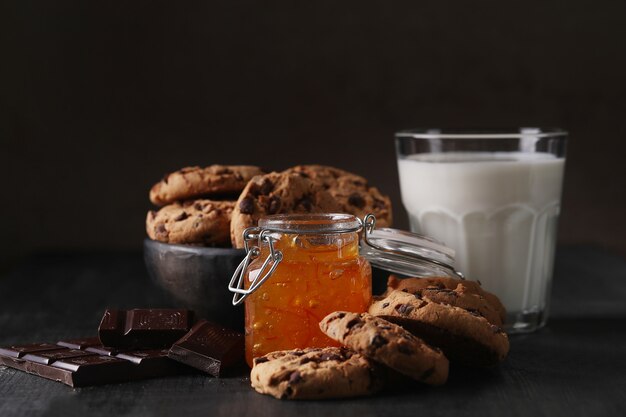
(201, 222)
(351, 191)
(464, 336)
(278, 193)
(194, 182)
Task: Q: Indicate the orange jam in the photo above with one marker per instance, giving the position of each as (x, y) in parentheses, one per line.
(318, 274)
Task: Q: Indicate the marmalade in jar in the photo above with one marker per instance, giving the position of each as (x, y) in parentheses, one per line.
(320, 272)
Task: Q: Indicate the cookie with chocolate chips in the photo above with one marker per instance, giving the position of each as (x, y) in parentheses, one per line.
(315, 373)
(194, 182)
(388, 344)
(351, 191)
(203, 222)
(456, 292)
(464, 336)
(278, 193)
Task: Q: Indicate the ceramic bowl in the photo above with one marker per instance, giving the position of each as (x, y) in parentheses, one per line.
(197, 278)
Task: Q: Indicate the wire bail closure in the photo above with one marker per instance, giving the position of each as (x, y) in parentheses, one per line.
(236, 284)
(369, 224)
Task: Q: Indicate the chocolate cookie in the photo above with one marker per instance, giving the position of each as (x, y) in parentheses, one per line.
(464, 336)
(352, 191)
(278, 193)
(388, 344)
(204, 222)
(194, 182)
(315, 373)
(456, 292)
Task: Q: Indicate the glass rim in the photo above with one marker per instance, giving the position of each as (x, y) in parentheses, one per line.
(481, 133)
(311, 223)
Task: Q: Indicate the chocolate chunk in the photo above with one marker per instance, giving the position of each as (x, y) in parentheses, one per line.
(209, 347)
(404, 308)
(198, 206)
(356, 200)
(18, 351)
(274, 205)
(161, 230)
(81, 344)
(427, 374)
(379, 204)
(246, 206)
(330, 357)
(353, 323)
(295, 377)
(181, 216)
(305, 202)
(145, 329)
(407, 350)
(266, 187)
(378, 341)
(51, 356)
(262, 359)
(385, 305)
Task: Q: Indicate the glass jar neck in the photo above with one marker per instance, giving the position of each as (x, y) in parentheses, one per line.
(314, 247)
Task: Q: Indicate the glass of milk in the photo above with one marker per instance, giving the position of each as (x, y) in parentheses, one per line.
(494, 197)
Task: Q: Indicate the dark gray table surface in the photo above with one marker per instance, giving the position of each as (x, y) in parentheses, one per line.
(574, 367)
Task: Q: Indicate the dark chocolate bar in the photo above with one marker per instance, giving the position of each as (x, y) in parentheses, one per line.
(143, 329)
(209, 347)
(73, 363)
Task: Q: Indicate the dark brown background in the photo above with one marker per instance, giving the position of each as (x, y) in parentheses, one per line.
(99, 99)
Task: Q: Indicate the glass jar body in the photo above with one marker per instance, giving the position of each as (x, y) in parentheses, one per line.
(318, 274)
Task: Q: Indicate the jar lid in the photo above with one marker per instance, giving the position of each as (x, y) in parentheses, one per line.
(404, 252)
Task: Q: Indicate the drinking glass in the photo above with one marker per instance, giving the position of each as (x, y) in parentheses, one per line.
(494, 197)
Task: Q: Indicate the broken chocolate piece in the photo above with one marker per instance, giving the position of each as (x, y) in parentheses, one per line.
(80, 367)
(209, 347)
(143, 329)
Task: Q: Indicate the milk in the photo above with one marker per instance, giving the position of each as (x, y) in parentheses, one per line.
(498, 211)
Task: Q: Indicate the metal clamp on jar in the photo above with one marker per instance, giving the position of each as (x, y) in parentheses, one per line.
(299, 268)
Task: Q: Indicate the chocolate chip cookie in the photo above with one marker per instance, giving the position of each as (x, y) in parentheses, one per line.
(204, 222)
(315, 373)
(464, 336)
(456, 292)
(388, 344)
(278, 193)
(352, 191)
(194, 182)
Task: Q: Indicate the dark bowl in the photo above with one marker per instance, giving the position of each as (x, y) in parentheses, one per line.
(196, 278)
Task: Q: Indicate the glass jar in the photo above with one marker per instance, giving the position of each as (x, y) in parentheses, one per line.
(315, 268)
(303, 267)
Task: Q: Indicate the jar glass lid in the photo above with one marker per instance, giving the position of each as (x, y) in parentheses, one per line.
(405, 253)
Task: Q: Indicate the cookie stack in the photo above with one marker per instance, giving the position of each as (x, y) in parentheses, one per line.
(307, 189)
(197, 204)
(212, 206)
(413, 329)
